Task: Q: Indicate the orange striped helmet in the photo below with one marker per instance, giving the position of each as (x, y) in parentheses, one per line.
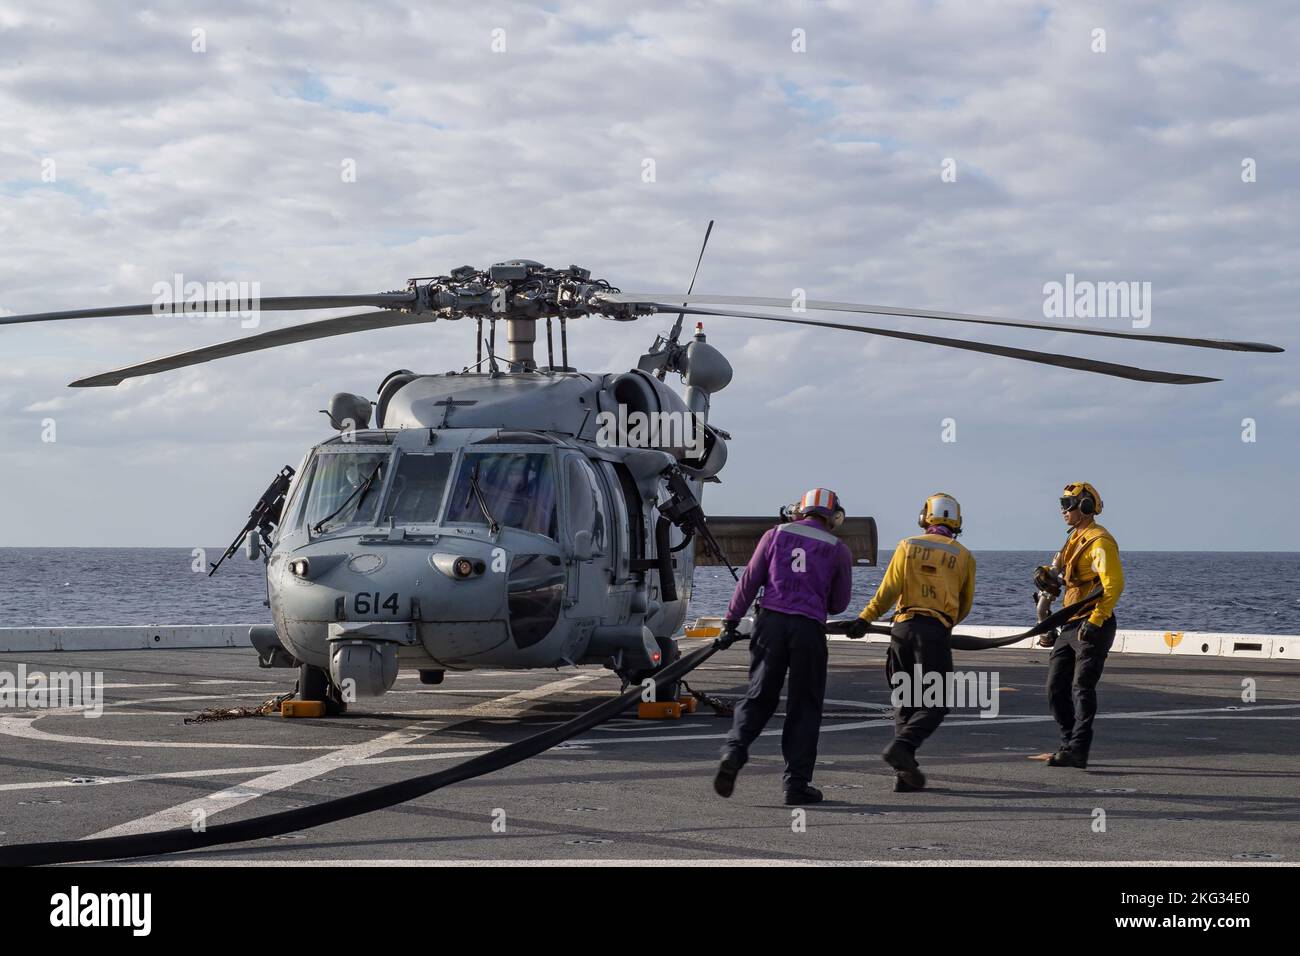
(821, 501)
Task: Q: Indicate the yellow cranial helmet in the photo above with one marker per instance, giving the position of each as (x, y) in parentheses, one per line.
(940, 508)
(1081, 495)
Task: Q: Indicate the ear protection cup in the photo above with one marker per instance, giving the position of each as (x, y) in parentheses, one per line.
(1089, 500)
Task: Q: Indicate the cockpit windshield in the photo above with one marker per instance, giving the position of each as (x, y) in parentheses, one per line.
(343, 487)
(418, 484)
(517, 488)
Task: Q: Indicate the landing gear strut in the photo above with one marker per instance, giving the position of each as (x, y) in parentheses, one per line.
(314, 684)
(670, 653)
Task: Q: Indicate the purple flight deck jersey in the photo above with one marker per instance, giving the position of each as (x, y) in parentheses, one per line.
(802, 568)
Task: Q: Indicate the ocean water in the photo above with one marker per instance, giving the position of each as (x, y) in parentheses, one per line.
(1242, 592)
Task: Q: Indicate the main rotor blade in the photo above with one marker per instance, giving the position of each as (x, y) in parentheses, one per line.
(823, 305)
(360, 322)
(283, 303)
(1042, 358)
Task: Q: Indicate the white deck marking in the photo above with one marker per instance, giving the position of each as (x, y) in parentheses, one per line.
(1195, 713)
(181, 815)
(454, 750)
(137, 778)
(23, 727)
(509, 706)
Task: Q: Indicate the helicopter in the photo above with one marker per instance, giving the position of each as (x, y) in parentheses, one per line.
(515, 514)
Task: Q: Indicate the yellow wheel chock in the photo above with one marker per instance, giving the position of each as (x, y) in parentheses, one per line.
(666, 710)
(302, 708)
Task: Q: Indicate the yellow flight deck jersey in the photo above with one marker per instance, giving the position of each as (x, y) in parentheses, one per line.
(929, 574)
(1091, 556)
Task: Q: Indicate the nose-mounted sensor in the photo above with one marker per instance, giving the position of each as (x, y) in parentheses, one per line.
(458, 566)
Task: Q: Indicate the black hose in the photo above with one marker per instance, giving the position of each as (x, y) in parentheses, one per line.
(287, 821)
(664, 555)
(968, 642)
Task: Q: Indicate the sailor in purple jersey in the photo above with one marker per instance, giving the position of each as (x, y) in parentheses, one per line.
(806, 574)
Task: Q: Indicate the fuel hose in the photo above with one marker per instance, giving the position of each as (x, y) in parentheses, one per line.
(968, 642)
(330, 811)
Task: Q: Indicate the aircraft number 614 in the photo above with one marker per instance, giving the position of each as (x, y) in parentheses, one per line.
(370, 603)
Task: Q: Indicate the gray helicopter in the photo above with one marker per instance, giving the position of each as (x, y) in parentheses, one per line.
(516, 514)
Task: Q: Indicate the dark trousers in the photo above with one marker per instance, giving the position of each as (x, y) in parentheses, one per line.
(1073, 671)
(781, 643)
(918, 640)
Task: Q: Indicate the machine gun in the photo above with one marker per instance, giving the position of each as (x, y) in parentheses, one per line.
(683, 510)
(263, 518)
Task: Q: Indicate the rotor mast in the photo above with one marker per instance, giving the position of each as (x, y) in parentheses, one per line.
(521, 335)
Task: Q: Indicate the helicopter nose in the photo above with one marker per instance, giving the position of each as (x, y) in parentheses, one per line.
(329, 582)
(452, 602)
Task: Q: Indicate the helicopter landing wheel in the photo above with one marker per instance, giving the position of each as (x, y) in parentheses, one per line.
(314, 684)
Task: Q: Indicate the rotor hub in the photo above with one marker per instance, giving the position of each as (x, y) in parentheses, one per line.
(520, 291)
(517, 289)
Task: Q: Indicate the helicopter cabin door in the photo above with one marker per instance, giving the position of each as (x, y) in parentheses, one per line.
(589, 545)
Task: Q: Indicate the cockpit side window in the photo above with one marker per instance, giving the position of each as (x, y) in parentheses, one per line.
(518, 488)
(586, 502)
(293, 502)
(343, 488)
(418, 486)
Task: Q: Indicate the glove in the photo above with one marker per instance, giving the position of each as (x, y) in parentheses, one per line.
(1088, 630)
(728, 635)
(1045, 579)
(858, 628)
(1049, 639)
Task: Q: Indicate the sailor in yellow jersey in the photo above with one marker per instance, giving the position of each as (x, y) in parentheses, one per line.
(1089, 558)
(931, 578)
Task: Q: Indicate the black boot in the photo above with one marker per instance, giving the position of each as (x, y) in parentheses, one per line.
(902, 757)
(1068, 758)
(804, 793)
(904, 781)
(725, 781)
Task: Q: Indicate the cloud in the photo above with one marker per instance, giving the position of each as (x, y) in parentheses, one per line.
(822, 169)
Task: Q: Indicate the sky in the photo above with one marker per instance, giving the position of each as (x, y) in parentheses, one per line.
(941, 155)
